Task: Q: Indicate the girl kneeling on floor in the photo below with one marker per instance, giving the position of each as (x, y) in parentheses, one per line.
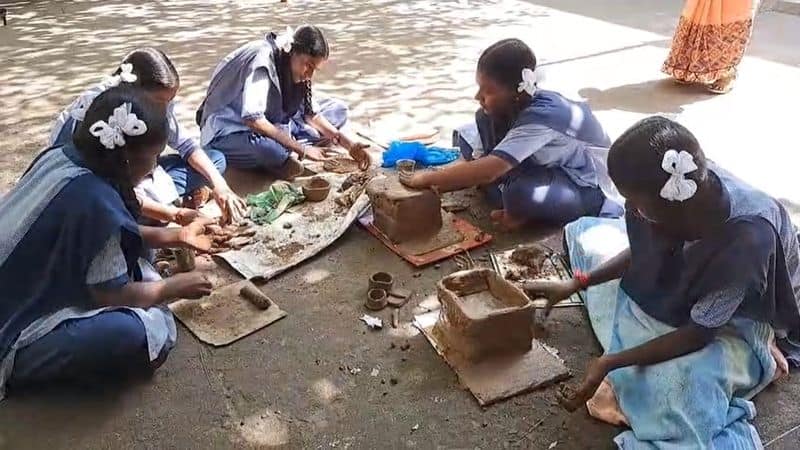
(78, 301)
(539, 156)
(260, 108)
(186, 173)
(707, 294)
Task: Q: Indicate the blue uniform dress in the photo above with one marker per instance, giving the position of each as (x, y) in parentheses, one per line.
(253, 82)
(748, 268)
(743, 280)
(64, 230)
(558, 150)
(173, 177)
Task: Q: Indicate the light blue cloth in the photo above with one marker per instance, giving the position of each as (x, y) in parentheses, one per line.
(700, 400)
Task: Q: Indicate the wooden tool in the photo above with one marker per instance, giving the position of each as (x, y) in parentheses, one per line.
(255, 296)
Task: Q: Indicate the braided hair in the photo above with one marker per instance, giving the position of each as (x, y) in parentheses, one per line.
(113, 164)
(309, 40)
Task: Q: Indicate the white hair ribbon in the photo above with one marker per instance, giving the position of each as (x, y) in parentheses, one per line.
(120, 123)
(677, 164)
(286, 40)
(78, 110)
(528, 83)
(126, 73)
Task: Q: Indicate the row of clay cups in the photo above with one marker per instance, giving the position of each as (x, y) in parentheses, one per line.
(380, 284)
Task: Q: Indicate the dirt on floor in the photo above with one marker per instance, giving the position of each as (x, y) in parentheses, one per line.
(306, 381)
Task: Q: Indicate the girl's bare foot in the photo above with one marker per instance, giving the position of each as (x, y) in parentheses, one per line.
(501, 219)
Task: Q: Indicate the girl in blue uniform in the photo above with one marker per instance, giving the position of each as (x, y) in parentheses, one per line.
(77, 301)
(539, 156)
(260, 109)
(710, 281)
(175, 175)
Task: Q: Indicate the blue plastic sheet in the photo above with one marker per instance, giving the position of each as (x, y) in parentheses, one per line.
(419, 152)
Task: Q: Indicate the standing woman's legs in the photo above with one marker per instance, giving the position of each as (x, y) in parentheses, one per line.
(546, 196)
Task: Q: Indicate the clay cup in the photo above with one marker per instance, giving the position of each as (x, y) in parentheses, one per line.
(316, 189)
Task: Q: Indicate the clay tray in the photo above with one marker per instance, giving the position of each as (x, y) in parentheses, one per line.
(501, 262)
(472, 237)
(224, 316)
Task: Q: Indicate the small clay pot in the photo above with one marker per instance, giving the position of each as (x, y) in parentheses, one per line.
(317, 189)
(376, 299)
(406, 166)
(381, 280)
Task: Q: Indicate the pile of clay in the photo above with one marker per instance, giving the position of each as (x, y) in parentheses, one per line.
(531, 262)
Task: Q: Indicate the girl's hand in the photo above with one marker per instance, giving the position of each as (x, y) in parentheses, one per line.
(191, 285)
(185, 216)
(314, 153)
(358, 151)
(596, 371)
(195, 235)
(553, 291)
(233, 207)
(414, 180)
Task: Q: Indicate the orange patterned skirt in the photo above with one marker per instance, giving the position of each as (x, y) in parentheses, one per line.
(710, 40)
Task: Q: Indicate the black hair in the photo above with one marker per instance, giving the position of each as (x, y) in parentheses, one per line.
(153, 69)
(309, 40)
(504, 60)
(112, 164)
(634, 160)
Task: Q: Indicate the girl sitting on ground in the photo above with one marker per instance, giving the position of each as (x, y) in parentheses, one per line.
(539, 156)
(77, 301)
(708, 292)
(186, 174)
(259, 108)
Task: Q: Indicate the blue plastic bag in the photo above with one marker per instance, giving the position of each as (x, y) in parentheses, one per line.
(428, 156)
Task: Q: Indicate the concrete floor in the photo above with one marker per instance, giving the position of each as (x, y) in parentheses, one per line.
(288, 385)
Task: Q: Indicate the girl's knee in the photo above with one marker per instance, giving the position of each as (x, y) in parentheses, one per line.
(336, 112)
(218, 159)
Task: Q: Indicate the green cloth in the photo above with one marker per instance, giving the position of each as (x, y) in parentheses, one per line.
(267, 206)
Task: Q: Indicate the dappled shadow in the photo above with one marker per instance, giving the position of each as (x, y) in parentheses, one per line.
(661, 17)
(388, 56)
(662, 96)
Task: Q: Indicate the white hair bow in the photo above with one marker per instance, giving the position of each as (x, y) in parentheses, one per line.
(678, 188)
(528, 83)
(78, 110)
(125, 74)
(286, 40)
(120, 123)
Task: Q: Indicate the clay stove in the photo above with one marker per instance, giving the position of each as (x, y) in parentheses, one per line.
(401, 213)
(483, 315)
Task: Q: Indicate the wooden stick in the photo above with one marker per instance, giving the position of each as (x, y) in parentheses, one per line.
(381, 145)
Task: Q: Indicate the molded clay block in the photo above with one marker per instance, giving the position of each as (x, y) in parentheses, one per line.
(401, 213)
(483, 316)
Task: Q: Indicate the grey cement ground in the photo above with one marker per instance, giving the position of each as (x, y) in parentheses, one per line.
(289, 385)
